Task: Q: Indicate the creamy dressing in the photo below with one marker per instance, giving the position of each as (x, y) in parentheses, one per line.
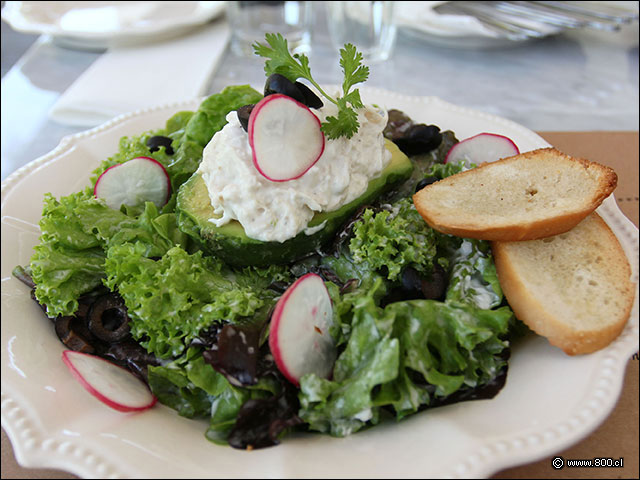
(277, 211)
(471, 283)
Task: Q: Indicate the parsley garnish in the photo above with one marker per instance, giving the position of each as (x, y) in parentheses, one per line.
(297, 66)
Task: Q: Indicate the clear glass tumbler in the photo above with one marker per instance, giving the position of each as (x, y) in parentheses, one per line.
(250, 21)
(367, 25)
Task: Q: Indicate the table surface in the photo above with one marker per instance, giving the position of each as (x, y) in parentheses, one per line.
(579, 81)
(576, 81)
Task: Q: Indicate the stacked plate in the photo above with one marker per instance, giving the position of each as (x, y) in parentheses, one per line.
(100, 25)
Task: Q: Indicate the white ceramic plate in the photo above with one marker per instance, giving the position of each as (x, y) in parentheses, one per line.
(99, 25)
(550, 400)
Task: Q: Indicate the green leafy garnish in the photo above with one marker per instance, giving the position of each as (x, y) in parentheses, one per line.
(296, 66)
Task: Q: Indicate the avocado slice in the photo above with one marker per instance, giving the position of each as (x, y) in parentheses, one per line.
(230, 242)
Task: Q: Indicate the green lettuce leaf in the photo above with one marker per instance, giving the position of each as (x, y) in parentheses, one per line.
(224, 412)
(172, 386)
(444, 348)
(170, 300)
(443, 170)
(344, 405)
(76, 231)
(473, 278)
(401, 356)
(391, 240)
(192, 387)
(69, 258)
(63, 274)
(195, 390)
(202, 125)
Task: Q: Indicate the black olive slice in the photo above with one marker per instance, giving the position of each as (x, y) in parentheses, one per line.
(418, 139)
(435, 287)
(409, 288)
(154, 143)
(411, 282)
(277, 83)
(85, 302)
(69, 333)
(243, 116)
(415, 285)
(108, 319)
(132, 355)
(311, 100)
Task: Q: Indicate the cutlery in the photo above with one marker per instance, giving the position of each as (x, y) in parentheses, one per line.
(521, 20)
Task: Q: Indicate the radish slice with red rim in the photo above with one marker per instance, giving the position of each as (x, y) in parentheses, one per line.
(482, 148)
(112, 385)
(299, 336)
(285, 136)
(140, 180)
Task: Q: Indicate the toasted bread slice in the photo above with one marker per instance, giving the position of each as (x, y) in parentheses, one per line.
(528, 196)
(573, 288)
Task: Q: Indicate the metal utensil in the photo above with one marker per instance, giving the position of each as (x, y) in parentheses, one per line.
(520, 20)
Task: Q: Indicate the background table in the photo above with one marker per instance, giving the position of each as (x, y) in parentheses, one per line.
(577, 81)
(579, 90)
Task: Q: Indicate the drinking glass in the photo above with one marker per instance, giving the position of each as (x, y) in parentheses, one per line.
(250, 21)
(367, 25)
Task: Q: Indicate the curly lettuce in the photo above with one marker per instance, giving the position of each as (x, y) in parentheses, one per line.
(76, 231)
(171, 299)
(390, 240)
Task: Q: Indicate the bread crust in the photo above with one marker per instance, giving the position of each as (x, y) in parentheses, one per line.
(477, 227)
(537, 313)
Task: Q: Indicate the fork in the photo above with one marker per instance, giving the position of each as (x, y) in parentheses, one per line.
(521, 20)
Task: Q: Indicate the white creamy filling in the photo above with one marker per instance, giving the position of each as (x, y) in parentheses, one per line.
(277, 211)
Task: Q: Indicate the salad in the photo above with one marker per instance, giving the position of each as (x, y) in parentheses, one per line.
(418, 318)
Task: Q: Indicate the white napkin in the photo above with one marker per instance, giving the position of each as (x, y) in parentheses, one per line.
(125, 79)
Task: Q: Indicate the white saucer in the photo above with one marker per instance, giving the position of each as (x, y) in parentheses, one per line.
(100, 25)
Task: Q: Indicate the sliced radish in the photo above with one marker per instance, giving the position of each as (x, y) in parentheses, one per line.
(481, 148)
(285, 137)
(113, 385)
(135, 182)
(299, 337)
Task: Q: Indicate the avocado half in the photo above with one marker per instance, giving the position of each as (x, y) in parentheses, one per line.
(231, 243)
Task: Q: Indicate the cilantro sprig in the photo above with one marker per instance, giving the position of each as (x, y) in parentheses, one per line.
(296, 66)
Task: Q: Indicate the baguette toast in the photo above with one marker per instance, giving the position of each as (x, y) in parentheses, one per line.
(525, 197)
(573, 288)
